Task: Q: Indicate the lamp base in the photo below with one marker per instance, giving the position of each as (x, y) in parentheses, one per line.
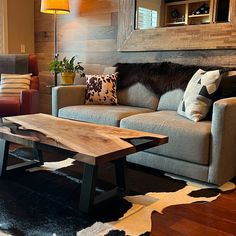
(55, 79)
(56, 56)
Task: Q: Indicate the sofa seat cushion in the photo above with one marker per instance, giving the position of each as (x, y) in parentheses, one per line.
(188, 140)
(9, 106)
(100, 114)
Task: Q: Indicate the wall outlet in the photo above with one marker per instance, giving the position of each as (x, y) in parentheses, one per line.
(22, 48)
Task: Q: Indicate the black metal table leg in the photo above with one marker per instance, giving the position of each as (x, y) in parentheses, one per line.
(38, 155)
(88, 188)
(22, 166)
(120, 169)
(4, 148)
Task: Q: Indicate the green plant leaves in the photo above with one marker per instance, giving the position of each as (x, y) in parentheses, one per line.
(66, 65)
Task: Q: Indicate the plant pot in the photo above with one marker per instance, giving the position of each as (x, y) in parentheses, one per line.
(68, 77)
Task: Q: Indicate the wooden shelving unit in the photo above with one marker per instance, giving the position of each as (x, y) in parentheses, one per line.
(200, 15)
(177, 23)
(184, 13)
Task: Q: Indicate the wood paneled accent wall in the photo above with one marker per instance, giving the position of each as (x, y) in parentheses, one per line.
(90, 31)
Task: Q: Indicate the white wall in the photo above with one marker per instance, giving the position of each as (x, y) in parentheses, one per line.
(20, 16)
(3, 27)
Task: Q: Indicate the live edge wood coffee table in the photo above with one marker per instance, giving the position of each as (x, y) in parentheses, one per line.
(91, 144)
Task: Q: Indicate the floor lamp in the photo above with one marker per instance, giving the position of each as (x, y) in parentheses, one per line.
(55, 7)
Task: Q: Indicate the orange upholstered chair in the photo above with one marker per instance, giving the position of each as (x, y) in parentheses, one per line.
(28, 101)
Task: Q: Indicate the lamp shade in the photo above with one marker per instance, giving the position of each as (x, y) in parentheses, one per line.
(55, 6)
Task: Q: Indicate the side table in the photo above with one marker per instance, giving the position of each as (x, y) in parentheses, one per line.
(46, 81)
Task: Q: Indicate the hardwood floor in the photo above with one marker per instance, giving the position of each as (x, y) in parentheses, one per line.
(217, 218)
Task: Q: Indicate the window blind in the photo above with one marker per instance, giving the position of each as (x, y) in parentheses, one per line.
(147, 18)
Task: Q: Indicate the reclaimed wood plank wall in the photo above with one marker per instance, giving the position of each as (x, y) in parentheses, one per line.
(90, 31)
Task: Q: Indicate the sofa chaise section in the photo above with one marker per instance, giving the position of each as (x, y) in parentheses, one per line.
(204, 150)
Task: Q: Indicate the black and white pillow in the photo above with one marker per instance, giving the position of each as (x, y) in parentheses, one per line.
(101, 89)
(199, 94)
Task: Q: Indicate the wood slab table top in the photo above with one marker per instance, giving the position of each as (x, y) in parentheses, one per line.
(93, 143)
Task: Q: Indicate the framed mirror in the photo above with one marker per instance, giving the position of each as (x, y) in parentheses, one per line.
(150, 25)
(166, 13)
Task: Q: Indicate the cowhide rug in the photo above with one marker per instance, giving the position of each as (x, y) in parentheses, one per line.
(137, 220)
(44, 201)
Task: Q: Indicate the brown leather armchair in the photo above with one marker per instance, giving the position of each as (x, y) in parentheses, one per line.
(28, 101)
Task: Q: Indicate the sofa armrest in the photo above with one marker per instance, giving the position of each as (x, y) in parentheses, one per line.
(223, 130)
(63, 96)
(29, 100)
(34, 84)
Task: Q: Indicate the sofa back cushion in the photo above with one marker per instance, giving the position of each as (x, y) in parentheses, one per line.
(170, 100)
(14, 63)
(91, 69)
(137, 95)
(109, 70)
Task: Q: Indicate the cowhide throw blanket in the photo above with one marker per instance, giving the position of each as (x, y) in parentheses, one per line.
(158, 77)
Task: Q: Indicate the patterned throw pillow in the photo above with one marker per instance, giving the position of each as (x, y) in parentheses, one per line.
(101, 89)
(13, 84)
(199, 94)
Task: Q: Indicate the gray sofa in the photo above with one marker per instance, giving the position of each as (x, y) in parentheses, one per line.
(203, 151)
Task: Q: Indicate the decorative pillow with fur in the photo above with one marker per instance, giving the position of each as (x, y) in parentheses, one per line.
(199, 94)
(101, 89)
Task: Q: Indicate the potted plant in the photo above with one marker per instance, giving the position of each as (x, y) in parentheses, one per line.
(68, 69)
